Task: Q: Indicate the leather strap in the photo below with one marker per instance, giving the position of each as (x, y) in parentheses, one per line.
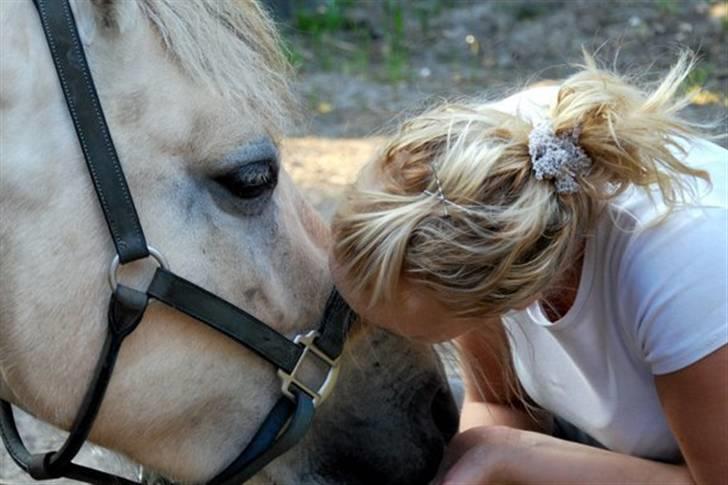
(251, 332)
(334, 326)
(11, 438)
(263, 447)
(88, 118)
(126, 310)
(22, 457)
(269, 442)
(237, 324)
(127, 306)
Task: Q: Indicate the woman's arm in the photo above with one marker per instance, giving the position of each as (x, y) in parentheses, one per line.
(489, 398)
(694, 400)
(497, 455)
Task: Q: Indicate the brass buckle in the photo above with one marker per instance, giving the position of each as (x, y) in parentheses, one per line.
(319, 395)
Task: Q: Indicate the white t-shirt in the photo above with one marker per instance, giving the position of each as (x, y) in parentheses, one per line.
(652, 299)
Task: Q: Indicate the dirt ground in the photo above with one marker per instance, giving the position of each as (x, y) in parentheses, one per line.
(362, 65)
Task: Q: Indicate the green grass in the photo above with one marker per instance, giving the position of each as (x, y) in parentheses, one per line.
(668, 7)
(698, 77)
(338, 41)
(317, 25)
(396, 59)
(294, 56)
(328, 17)
(424, 10)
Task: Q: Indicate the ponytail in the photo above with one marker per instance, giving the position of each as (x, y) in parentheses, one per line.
(453, 202)
(633, 135)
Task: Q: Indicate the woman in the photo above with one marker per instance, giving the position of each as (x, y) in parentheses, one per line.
(573, 241)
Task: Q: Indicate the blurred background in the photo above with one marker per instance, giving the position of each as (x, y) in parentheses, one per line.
(361, 65)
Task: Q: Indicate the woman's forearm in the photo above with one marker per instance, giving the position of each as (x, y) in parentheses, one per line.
(504, 455)
(556, 461)
(476, 413)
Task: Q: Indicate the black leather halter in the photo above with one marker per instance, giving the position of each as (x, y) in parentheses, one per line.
(290, 417)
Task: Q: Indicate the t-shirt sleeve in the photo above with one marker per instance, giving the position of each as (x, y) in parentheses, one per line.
(675, 278)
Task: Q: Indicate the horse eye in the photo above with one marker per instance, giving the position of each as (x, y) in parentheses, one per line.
(251, 180)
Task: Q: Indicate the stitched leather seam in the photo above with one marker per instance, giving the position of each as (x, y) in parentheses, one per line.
(72, 110)
(92, 169)
(100, 121)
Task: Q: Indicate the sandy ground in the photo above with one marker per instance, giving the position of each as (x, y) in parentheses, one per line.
(323, 167)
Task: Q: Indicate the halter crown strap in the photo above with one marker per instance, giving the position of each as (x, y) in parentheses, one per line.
(93, 133)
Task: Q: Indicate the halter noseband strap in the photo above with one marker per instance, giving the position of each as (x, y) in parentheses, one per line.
(291, 416)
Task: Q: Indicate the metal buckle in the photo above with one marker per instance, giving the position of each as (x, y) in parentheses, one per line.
(114, 268)
(320, 395)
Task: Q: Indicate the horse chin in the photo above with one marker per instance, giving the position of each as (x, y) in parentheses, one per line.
(150, 477)
(379, 426)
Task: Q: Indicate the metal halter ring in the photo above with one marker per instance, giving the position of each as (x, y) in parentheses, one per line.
(114, 268)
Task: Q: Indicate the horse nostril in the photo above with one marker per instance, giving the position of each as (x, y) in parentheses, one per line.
(445, 413)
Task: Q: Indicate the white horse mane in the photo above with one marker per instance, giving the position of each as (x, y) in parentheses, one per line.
(230, 46)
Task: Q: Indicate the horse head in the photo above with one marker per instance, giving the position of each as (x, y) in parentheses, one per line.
(196, 98)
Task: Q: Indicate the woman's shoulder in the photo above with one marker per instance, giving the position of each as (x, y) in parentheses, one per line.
(652, 235)
(671, 276)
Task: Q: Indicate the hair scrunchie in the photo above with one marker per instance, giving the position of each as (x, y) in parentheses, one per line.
(558, 157)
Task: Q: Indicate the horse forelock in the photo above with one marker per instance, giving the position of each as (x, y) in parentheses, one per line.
(229, 46)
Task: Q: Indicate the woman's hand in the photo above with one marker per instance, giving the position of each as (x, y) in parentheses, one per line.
(498, 454)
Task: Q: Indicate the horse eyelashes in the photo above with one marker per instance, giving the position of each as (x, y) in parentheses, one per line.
(250, 180)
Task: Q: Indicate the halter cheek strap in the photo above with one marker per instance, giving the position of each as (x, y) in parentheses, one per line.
(291, 416)
(91, 128)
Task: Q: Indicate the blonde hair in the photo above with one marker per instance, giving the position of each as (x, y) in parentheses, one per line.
(505, 236)
(231, 47)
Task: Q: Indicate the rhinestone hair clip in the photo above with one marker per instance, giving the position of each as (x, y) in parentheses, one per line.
(558, 157)
(442, 198)
(440, 195)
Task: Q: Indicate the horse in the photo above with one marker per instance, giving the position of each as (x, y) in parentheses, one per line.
(196, 96)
